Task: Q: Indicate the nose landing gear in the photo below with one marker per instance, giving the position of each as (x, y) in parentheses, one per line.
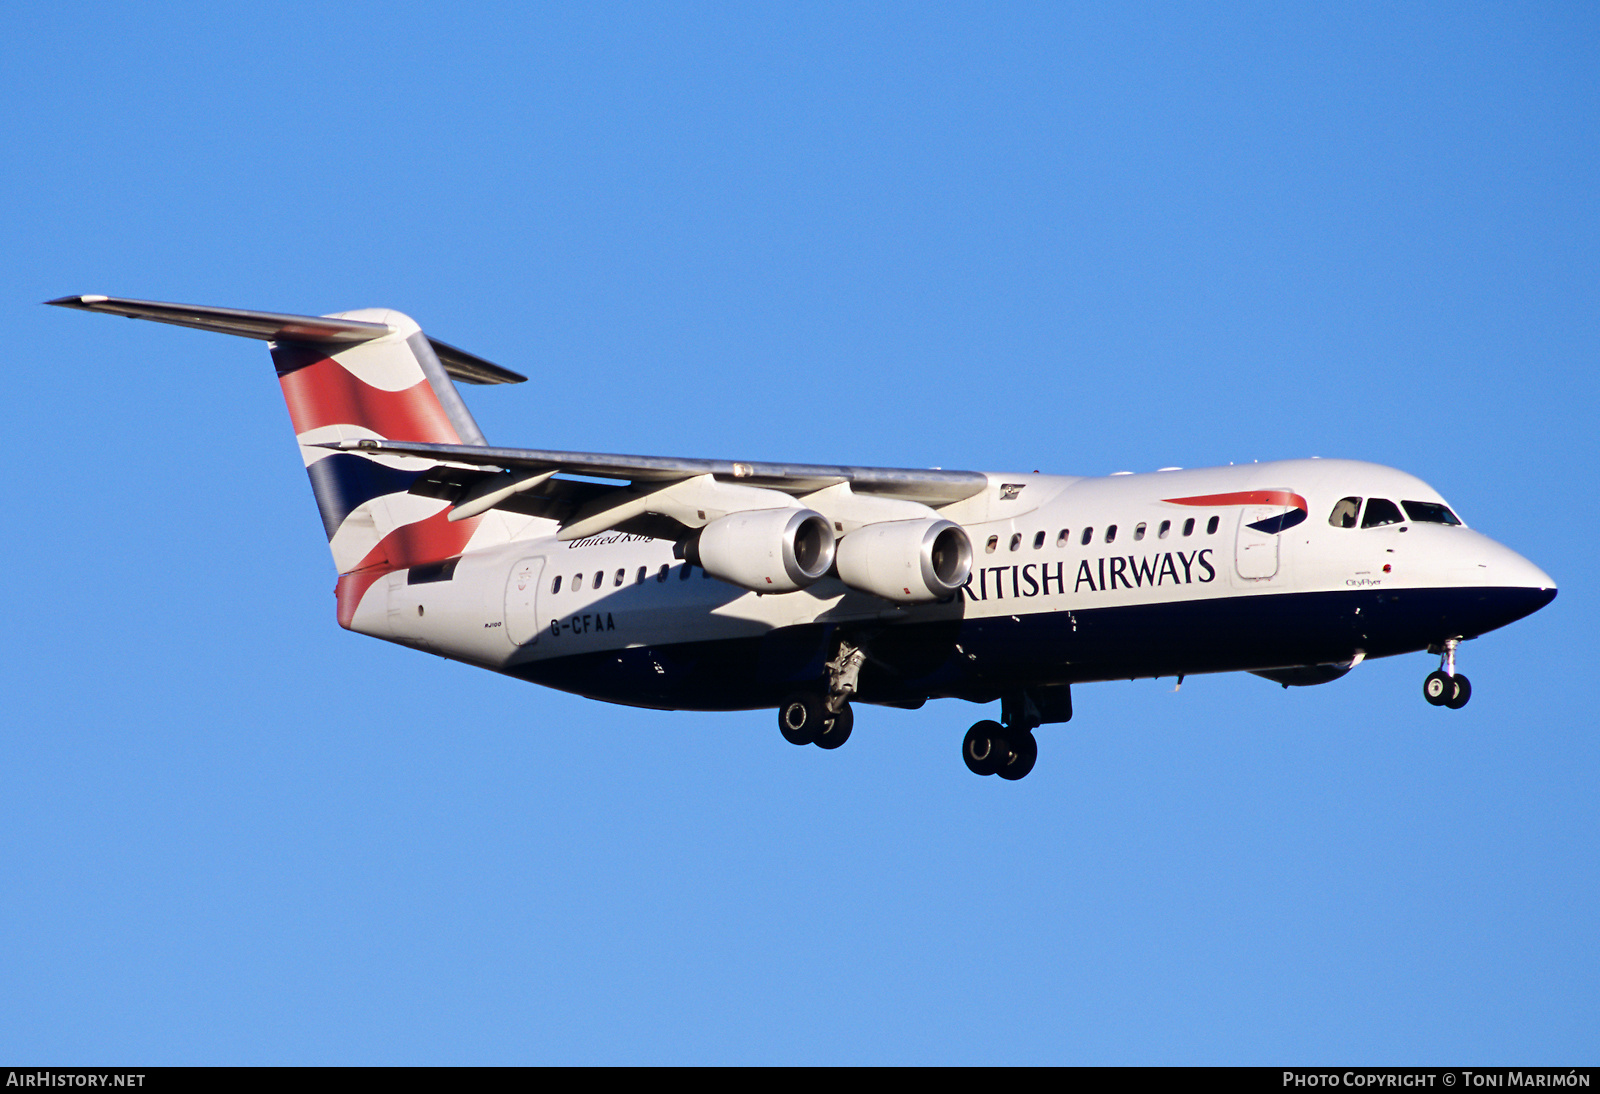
(1445, 687)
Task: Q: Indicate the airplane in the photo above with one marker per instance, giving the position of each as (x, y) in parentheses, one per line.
(697, 584)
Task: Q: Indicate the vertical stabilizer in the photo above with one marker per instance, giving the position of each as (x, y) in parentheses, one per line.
(357, 375)
(389, 388)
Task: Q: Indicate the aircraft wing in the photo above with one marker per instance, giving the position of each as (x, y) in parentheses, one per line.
(649, 495)
(689, 492)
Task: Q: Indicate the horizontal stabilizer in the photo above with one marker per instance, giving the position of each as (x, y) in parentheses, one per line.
(275, 327)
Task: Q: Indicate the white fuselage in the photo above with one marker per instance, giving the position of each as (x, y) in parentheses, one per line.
(1049, 552)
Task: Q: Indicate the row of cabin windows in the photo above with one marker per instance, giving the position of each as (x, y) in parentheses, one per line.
(1163, 530)
(639, 578)
(1379, 512)
(1382, 511)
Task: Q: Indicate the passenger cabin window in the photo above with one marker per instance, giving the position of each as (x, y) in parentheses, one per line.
(1061, 539)
(1381, 511)
(988, 548)
(1088, 534)
(599, 579)
(1111, 532)
(1188, 527)
(1211, 526)
(683, 572)
(661, 574)
(1166, 526)
(1038, 540)
(620, 575)
(1016, 541)
(642, 571)
(1344, 513)
(1430, 512)
(555, 586)
(577, 583)
(1138, 530)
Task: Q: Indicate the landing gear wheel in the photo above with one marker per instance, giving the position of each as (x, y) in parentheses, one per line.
(801, 718)
(1021, 755)
(1438, 687)
(1461, 693)
(837, 732)
(983, 748)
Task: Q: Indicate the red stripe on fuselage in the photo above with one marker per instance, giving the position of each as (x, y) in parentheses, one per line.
(1244, 497)
(326, 393)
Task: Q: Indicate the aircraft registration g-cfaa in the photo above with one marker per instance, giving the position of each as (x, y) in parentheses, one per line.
(688, 584)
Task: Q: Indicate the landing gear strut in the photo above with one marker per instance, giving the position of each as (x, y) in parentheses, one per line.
(825, 719)
(1445, 687)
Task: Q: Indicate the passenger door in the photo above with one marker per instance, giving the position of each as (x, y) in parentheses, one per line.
(522, 601)
(1255, 553)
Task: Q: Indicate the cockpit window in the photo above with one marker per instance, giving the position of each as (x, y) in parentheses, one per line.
(1344, 514)
(1381, 511)
(1430, 512)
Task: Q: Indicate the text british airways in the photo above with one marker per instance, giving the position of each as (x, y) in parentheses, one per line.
(1099, 575)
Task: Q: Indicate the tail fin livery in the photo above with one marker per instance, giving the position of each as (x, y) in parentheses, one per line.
(369, 374)
(377, 390)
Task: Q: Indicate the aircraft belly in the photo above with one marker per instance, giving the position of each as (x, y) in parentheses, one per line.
(979, 659)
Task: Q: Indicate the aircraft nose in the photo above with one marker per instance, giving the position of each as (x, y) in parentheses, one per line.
(1510, 569)
(1520, 587)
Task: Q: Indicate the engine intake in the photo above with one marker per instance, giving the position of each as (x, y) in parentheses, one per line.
(910, 561)
(767, 550)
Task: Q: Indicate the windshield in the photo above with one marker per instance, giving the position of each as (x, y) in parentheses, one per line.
(1380, 511)
(1429, 512)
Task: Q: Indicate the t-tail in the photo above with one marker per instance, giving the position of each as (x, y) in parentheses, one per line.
(359, 375)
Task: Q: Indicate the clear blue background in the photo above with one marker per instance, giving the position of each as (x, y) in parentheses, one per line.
(1074, 238)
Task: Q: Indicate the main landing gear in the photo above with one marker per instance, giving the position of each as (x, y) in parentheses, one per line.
(993, 749)
(804, 719)
(1445, 687)
(1008, 747)
(821, 718)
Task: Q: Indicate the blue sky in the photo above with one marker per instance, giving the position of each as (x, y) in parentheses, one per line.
(1072, 238)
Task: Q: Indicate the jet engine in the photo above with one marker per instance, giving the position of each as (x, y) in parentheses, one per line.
(767, 550)
(911, 561)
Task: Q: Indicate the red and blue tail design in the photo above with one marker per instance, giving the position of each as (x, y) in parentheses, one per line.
(379, 389)
(359, 375)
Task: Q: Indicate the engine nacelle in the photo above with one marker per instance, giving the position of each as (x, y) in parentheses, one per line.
(767, 550)
(911, 561)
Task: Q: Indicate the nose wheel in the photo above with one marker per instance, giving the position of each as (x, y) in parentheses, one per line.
(1445, 687)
